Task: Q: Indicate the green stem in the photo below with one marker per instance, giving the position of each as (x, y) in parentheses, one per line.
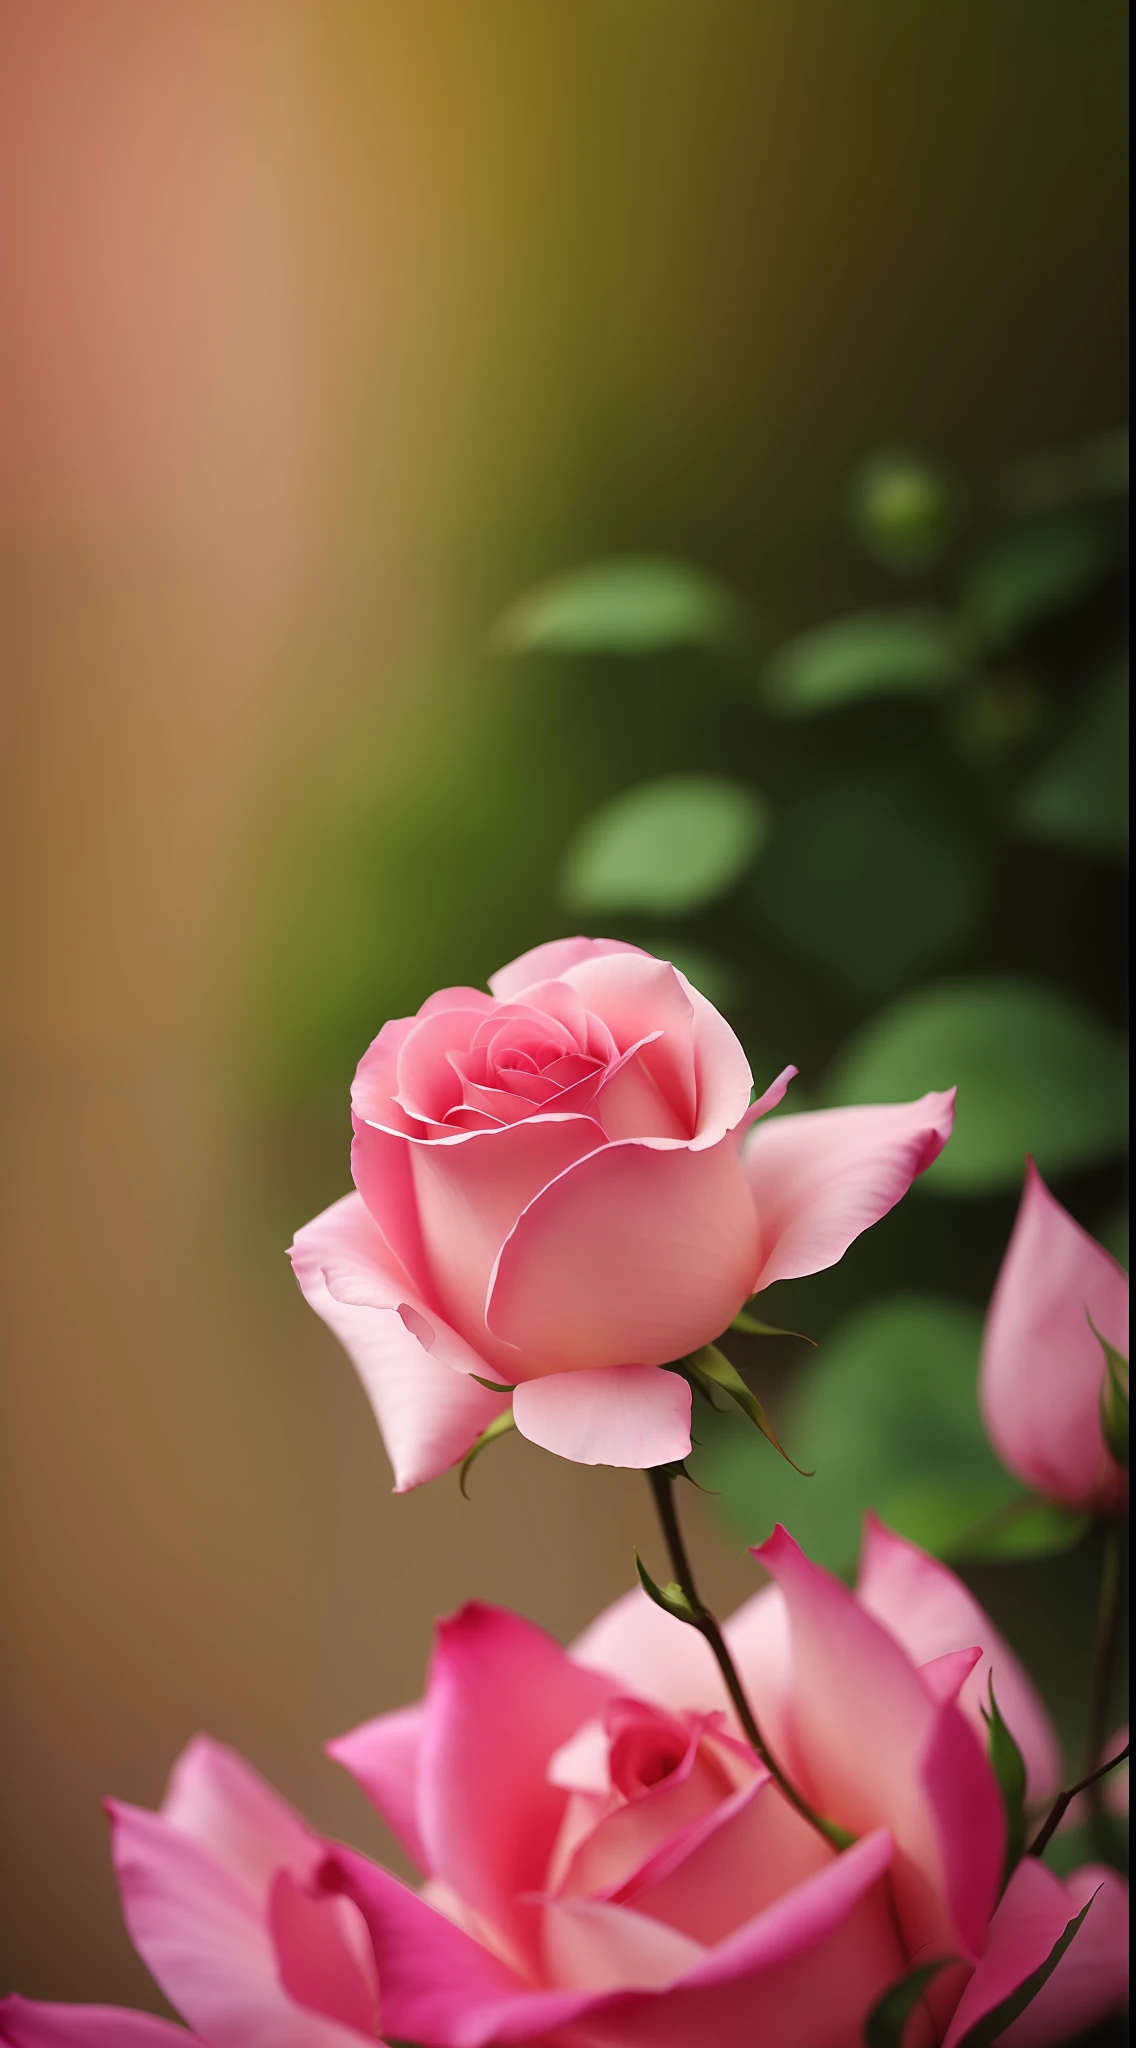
(1064, 1800)
(662, 1486)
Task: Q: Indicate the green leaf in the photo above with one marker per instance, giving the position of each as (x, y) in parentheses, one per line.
(495, 1386)
(887, 2022)
(1036, 1072)
(1008, 1766)
(987, 2030)
(904, 508)
(1079, 795)
(635, 605)
(1028, 1527)
(499, 1427)
(1058, 477)
(1113, 1397)
(710, 1368)
(874, 880)
(1031, 572)
(913, 653)
(887, 1412)
(670, 1597)
(665, 846)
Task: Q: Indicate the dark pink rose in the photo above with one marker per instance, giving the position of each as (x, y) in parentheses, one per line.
(606, 1864)
(561, 1190)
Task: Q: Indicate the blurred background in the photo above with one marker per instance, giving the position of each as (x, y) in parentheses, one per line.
(422, 427)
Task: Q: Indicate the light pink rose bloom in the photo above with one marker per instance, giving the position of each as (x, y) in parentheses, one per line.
(219, 1894)
(553, 1195)
(1042, 1368)
(607, 1864)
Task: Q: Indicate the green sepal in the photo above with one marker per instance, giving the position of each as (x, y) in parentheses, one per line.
(670, 1598)
(1006, 1762)
(887, 2021)
(501, 1425)
(749, 1326)
(1113, 1397)
(710, 1368)
(495, 1386)
(987, 2030)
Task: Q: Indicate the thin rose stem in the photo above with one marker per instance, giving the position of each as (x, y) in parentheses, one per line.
(662, 1486)
(1064, 1801)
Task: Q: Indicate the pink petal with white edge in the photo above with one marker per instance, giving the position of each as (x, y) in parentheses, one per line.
(629, 1415)
(549, 962)
(633, 1255)
(821, 1178)
(25, 2023)
(932, 1613)
(1090, 1981)
(383, 1758)
(414, 1367)
(1042, 1367)
(502, 1698)
(203, 1935)
(812, 1966)
(218, 1801)
(876, 1750)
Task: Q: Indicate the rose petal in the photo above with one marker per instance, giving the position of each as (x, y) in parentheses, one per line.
(502, 1699)
(324, 1957)
(549, 962)
(743, 1859)
(25, 2023)
(469, 1194)
(1091, 1979)
(638, 997)
(878, 1751)
(1042, 1367)
(932, 1613)
(203, 1935)
(383, 1758)
(630, 1415)
(589, 1946)
(822, 1177)
(643, 1651)
(428, 1408)
(722, 1076)
(633, 1255)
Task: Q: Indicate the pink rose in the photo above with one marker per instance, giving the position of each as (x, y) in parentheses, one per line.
(218, 1893)
(606, 1862)
(553, 1195)
(1042, 1367)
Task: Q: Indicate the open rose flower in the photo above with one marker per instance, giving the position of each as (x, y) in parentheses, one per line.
(607, 1863)
(219, 1894)
(553, 1194)
(1042, 1366)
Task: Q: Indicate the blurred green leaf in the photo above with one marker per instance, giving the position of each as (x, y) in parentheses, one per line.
(637, 605)
(995, 714)
(1026, 1527)
(1079, 795)
(1059, 477)
(874, 880)
(1036, 1072)
(886, 2024)
(887, 1412)
(865, 654)
(666, 846)
(904, 509)
(1114, 1236)
(1030, 572)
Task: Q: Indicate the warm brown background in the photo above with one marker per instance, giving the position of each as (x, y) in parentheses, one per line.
(327, 326)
